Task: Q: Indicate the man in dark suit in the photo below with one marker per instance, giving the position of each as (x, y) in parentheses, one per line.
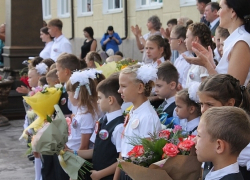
(201, 4)
(211, 14)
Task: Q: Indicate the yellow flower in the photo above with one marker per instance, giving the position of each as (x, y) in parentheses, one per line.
(124, 66)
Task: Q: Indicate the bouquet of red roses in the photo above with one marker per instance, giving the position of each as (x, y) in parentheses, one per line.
(168, 151)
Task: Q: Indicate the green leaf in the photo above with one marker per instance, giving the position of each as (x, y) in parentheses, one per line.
(159, 145)
(49, 119)
(119, 166)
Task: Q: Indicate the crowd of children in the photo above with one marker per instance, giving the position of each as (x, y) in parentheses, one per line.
(98, 125)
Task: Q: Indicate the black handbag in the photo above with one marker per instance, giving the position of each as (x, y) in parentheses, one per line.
(104, 47)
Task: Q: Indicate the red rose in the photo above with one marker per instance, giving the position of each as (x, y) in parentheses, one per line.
(24, 79)
(186, 145)
(136, 151)
(170, 150)
(191, 137)
(164, 134)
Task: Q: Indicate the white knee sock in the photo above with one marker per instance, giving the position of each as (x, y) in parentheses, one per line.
(38, 167)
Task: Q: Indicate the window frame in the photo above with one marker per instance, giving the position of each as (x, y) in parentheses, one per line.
(59, 12)
(106, 9)
(149, 5)
(46, 5)
(79, 9)
(184, 3)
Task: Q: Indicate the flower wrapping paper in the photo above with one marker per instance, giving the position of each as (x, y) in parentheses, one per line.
(179, 167)
(43, 105)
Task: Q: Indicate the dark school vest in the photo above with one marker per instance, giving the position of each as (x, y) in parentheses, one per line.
(63, 103)
(243, 171)
(105, 152)
(170, 109)
(235, 176)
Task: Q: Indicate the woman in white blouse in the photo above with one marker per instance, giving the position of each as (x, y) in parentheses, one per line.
(234, 16)
(45, 36)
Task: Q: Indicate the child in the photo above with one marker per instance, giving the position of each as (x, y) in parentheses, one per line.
(157, 49)
(177, 37)
(110, 102)
(65, 65)
(187, 110)
(48, 62)
(61, 43)
(197, 32)
(222, 134)
(34, 76)
(224, 34)
(225, 90)
(52, 78)
(135, 86)
(165, 87)
(91, 58)
(42, 81)
(82, 93)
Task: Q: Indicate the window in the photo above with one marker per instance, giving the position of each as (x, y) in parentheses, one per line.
(190, 2)
(112, 6)
(63, 8)
(148, 4)
(46, 9)
(84, 8)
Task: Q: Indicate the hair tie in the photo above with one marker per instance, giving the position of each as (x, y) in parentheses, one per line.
(243, 88)
(247, 18)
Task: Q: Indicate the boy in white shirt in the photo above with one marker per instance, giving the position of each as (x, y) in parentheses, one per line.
(61, 43)
(223, 133)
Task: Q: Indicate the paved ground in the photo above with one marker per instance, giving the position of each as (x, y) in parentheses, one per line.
(13, 162)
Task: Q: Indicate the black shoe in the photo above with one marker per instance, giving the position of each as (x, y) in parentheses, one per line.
(31, 158)
(29, 155)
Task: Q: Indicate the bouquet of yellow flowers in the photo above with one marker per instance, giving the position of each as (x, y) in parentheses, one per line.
(112, 67)
(124, 63)
(42, 103)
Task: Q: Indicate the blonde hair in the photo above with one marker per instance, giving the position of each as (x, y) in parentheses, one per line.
(94, 56)
(132, 70)
(52, 74)
(90, 101)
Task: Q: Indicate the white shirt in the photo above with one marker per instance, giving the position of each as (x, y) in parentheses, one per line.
(84, 124)
(217, 175)
(117, 133)
(148, 121)
(190, 125)
(195, 73)
(155, 64)
(212, 24)
(45, 53)
(244, 157)
(169, 102)
(240, 34)
(182, 67)
(216, 55)
(60, 45)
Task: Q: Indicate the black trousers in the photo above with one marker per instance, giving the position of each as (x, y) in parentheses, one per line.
(124, 176)
(52, 169)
